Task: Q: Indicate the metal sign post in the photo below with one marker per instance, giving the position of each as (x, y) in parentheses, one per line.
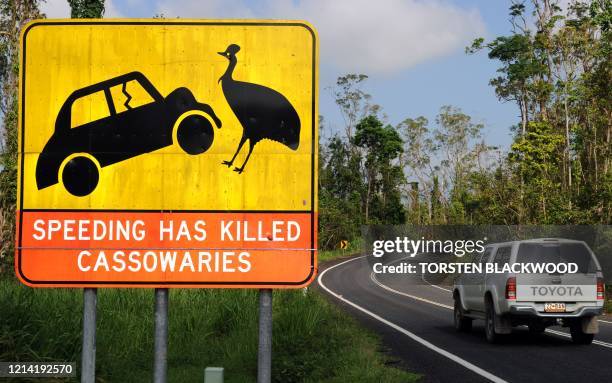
(160, 359)
(88, 357)
(264, 354)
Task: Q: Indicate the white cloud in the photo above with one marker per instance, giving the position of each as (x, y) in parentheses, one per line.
(111, 10)
(384, 36)
(55, 9)
(564, 4)
(391, 35)
(59, 9)
(206, 9)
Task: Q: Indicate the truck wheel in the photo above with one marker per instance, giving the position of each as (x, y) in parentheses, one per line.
(579, 336)
(195, 134)
(80, 176)
(462, 323)
(490, 319)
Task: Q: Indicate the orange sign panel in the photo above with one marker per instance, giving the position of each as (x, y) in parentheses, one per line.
(167, 153)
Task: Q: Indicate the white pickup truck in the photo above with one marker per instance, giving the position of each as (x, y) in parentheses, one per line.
(505, 300)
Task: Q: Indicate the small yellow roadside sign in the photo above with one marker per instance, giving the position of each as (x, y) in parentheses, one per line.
(161, 153)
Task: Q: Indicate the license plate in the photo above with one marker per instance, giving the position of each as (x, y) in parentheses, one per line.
(554, 307)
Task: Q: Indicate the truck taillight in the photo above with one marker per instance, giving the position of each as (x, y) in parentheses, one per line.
(600, 288)
(511, 288)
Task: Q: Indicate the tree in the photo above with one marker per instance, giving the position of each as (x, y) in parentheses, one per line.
(14, 14)
(455, 137)
(443, 159)
(417, 164)
(360, 176)
(353, 101)
(340, 190)
(383, 176)
(559, 73)
(86, 9)
(536, 155)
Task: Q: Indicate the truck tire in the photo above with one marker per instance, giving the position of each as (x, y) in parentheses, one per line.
(579, 336)
(462, 323)
(490, 319)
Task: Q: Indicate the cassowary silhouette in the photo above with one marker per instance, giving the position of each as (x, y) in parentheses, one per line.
(263, 112)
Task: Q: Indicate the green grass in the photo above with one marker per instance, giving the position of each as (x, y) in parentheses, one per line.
(354, 247)
(313, 340)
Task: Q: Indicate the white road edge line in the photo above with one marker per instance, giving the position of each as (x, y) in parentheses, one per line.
(409, 334)
(597, 342)
(432, 285)
(373, 278)
(422, 275)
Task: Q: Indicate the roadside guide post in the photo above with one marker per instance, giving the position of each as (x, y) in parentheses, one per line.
(343, 246)
(160, 359)
(88, 353)
(132, 172)
(264, 351)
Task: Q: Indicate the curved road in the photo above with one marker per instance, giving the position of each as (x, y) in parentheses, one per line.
(416, 323)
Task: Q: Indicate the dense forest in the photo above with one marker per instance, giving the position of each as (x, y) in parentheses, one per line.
(554, 65)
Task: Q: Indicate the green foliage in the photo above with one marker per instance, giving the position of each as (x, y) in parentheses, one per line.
(8, 185)
(353, 101)
(340, 190)
(441, 161)
(560, 78)
(359, 182)
(359, 174)
(535, 155)
(13, 16)
(382, 145)
(354, 247)
(381, 142)
(86, 9)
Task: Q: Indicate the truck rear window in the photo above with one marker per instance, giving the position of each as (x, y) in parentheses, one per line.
(557, 253)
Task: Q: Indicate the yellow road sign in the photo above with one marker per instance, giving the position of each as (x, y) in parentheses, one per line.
(343, 244)
(125, 121)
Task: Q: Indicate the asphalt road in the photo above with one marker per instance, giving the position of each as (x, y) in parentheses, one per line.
(416, 324)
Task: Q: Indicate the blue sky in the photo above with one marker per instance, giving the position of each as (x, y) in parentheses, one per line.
(412, 50)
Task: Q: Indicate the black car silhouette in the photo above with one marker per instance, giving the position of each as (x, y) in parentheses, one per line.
(121, 135)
